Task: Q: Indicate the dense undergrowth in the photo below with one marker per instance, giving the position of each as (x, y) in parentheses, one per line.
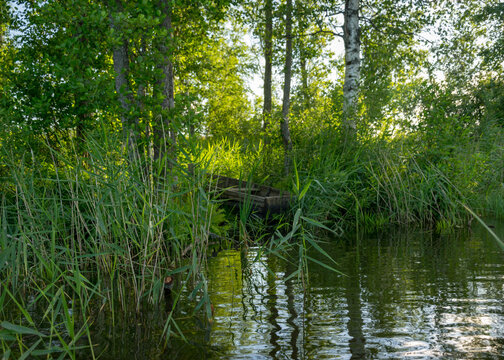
(97, 231)
(115, 116)
(89, 227)
(379, 183)
(92, 227)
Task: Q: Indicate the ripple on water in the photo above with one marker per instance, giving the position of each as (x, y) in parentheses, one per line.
(410, 295)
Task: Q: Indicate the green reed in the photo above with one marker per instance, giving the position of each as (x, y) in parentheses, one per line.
(84, 234)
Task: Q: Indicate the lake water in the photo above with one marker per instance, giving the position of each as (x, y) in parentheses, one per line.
(405, 294)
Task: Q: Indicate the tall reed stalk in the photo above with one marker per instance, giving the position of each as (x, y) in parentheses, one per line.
(78, 231)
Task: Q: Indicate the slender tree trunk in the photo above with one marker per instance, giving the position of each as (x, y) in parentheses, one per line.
(287, 87)
(165, 130)
(82, 103)
(351, 34)
(121, 70)
(304, 77)
(3, 25)
(268, 53)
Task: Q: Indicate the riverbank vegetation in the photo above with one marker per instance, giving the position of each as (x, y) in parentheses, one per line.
(116, 115)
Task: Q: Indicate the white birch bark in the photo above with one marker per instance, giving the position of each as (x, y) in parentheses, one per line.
(351, 35)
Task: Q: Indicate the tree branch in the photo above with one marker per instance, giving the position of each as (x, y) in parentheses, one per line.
(321, 31)
(376, 27)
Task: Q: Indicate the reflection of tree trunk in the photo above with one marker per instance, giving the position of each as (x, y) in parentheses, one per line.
(291, 308)
(287, 87)
(273, 315)
(355, 323)
(268, 53)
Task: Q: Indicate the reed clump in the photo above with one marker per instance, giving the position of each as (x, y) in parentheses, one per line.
(400, 182)
(99, 227)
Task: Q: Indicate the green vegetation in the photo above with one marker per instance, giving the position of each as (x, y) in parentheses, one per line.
(116, 115)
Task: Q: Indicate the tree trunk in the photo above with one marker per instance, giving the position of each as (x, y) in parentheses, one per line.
(268, 53)
(304, 78)
(351, 35)
(287, 87)
(121, 70)
(165, 130)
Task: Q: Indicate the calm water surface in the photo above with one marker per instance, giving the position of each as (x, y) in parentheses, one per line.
(405, 295)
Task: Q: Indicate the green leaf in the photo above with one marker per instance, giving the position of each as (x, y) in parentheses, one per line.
(318, 224)
(6, 336)
(294, 273)
(47, 351)
(305, 189)
(18, 329)
(296, 219)
(296, 177)
(30, 350)
(179, 270)
(497, 239)
(325, 265)
(319, 249)
(6, 355)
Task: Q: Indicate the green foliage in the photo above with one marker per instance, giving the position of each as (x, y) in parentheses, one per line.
(59, 77)
(88, 216)
(73, 227)
(492, 15)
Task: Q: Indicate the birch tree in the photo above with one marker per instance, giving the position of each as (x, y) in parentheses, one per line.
(351, 37)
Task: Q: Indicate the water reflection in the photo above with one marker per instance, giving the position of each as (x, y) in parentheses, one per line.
(406, 295)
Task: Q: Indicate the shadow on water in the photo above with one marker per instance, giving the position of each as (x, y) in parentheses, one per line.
(406, 294)
(354, 307)
(273, 314)
(290, 291)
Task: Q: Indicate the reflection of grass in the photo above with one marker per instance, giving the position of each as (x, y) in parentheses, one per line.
(494, 235)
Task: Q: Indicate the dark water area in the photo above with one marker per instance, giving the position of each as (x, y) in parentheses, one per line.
(413, 294)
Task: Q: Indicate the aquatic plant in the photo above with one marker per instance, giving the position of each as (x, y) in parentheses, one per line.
(91, 231)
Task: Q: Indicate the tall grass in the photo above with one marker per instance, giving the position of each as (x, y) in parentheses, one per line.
(378, 182)
(82, 234)
(398, 182)
(87, 230)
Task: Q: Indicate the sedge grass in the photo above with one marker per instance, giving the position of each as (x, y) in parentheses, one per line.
(93, 230)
